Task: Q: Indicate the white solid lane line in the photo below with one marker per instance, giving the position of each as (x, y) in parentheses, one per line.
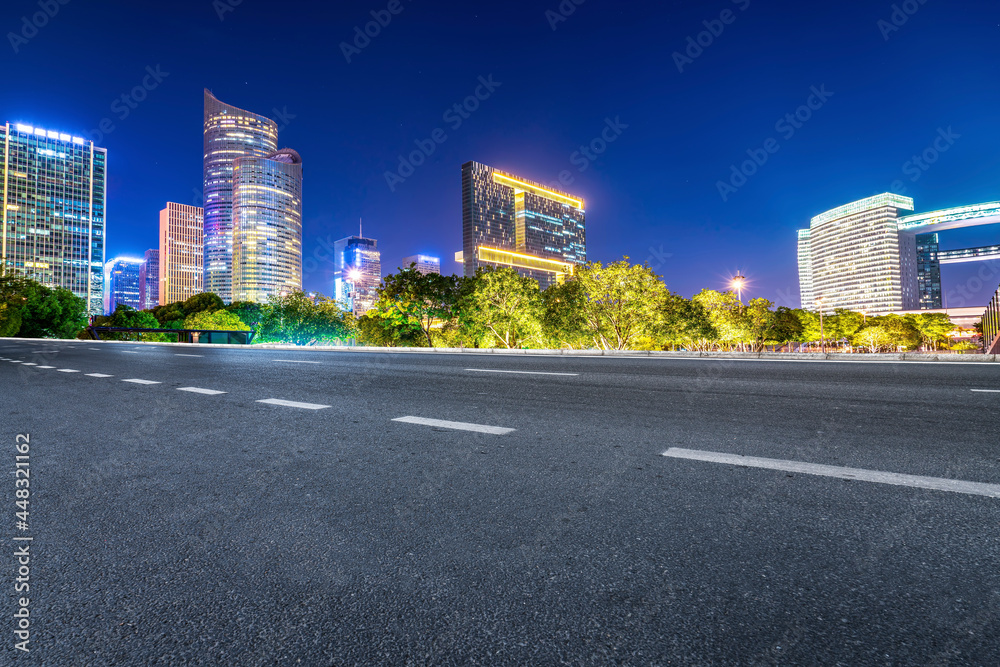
(189, 355)
(488, 370)
(289, 361)
(199, 390)
(294, 404)
(457, 426)
(135, 381)
(67, 370)
(99, 375)
(987, 391)
(859, 474)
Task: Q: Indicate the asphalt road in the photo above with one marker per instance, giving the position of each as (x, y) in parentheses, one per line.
(173, 527)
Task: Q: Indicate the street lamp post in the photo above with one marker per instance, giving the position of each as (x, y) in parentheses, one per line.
(738, 281)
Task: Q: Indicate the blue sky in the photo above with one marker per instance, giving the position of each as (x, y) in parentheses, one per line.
(559, 73)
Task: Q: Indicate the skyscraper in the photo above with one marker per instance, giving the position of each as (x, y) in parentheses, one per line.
(54, 210)
(357, 274)
(425, 263)
(511, 221)
(230, 133)
(855, 257)
(267, 226)
(149, 279)
(181, 252)
(122, 278)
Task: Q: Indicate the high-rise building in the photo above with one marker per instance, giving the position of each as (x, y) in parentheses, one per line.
(855, 257)
(230, 133)
(425, 263)
(149, 279)
(511, 221)
(267, 226)
(54, 210)
(181, 252)
(123, 281)
(357, 273)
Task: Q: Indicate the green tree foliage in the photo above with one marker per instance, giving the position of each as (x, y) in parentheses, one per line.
(685, 322)
(563, 321)
(410, 299)
(249, 312)
(507, 306)
(42, 312)
(387, 326)
(295, 318)
(726, 315)
(843, 324)
(126, 317)
(621, 302)
(787, 327)
(220, 320)
(934, 328)
(172, 315)
(10, 320)
(875, 338)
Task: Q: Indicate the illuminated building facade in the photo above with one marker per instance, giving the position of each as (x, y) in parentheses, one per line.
(149, 279)
(54, 198)
(267, 226)
(229, 133)
(424, 263)
(182, 248)
(122, 275)
(357, 266)
(511, 221)
(854, 257)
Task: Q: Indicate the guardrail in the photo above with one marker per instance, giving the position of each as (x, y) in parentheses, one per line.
(991, 326)
(184, 335)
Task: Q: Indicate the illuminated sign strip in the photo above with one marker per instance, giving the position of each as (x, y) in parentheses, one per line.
(988, 210)
(522, 261)
(537, 190)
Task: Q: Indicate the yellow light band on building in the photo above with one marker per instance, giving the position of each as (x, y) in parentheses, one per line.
(522, 261)
(540, 191)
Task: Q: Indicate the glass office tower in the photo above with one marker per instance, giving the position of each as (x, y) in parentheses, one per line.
(511, 221)
(124, 284)
(182, 249)
(357, 266)
(230, 133)
(267, 226)
(54, 199)
(149, 279)
(855, 257)
(425, 264)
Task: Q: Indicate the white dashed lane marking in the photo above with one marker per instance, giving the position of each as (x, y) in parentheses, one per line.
(99, 375)
(67, 370)
(189, 355)
(456, 426)
(485, 370)
(859, 474)
(137, 381)
(294, 404)
(290, 361)
(46, 366)
(987, 391)
(199, 390)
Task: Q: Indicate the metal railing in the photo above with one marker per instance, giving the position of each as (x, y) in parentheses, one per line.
(991, 326)
(183, 335)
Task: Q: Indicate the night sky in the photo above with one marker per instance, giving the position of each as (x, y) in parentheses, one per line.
(652, 194)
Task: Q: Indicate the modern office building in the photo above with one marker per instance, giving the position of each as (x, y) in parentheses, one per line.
(854, 257)
(357, 274)
(123, 284)
(182, 252)
(511, 221)
(149, 279)
(425, 264)
(267, 226)
(54, 201)
(229, 133)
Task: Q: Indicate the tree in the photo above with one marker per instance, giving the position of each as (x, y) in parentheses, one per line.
(563, 321)
(295, 318)
(10, 320)
(685, 322)
(726, 315)
(876, 338)
(621, 302)
(44, 312)
(410, 297)
(934, 328)
(899, 328)
(206, 301)
(507, 305)
(249, 312)
(126, 317)
(220, 320)
(787, 326)
(843, 324)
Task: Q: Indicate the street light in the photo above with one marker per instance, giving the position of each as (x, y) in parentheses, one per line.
(738, 281)
(822, 334)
